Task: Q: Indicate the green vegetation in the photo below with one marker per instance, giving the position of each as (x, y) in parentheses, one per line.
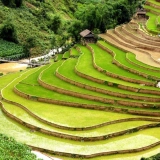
(41, 25)
(132, 58)
(154, 2)
(70, 106)
(66, 55)
(120, 56)
(10, 149)
(104, 60)
(67, 70)
(155, 157)
(152, 9)
(12, 3)
(87, 68)
(74, 53)
(11, 50)
(74, 117)
(151, 23)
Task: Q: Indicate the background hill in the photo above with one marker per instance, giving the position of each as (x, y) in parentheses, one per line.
(38, 25)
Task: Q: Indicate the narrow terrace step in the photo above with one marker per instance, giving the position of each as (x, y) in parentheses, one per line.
(138, 43)
(151, 23)
(138, 38)
(94, 96)
(116, 38)
(71, 77)
(110, 133)
(152, 9)
(110, 69)
(66, 55)
(120, 60)
(141, 56)
(153, 4)
(131, 58)
(91, 74)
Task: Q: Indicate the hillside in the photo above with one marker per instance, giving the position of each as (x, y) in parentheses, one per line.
(32, 21)
(39, 25)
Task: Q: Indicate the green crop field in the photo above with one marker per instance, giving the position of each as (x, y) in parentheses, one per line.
(66, 55)
(120, 56)
(83, 105)
(151, 23)
(154, 2)
(132, 58)
(74, 122)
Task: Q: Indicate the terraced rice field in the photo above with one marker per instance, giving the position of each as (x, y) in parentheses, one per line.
(153, 8)
(97, 101)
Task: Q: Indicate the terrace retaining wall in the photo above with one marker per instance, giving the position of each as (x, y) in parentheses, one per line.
(77, 138)
(89, 106)
(140, 39)
(126, 68)
(96, 154)
(94, 98)
(75, 94)
(147, 36)
(129, 46)
(100, 90)
(120, 42)
(153, 5)
(151, 69)
(140, 90)
(136, 44)
(118, 76)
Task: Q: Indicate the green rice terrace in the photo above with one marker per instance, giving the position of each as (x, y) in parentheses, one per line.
(96, 101)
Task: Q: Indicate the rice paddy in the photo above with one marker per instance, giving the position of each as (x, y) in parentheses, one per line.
(72, 109)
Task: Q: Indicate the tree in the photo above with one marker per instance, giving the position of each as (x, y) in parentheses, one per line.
(29, 44)
(123, 13)
(74, 29)
(8, 32)
(55, 23)
(107, 17)
(12, 3)
(18, 3)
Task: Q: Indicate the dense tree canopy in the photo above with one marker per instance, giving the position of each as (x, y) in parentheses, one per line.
(12, 3)
(111, 13)
(8, 32)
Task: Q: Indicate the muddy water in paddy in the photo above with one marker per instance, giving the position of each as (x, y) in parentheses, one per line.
(11, 67)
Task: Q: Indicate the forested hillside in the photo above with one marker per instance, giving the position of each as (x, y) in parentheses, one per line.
(38, 25)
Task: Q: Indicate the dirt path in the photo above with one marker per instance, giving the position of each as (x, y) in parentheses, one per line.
(11, 67)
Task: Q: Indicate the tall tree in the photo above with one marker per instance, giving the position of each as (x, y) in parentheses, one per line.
(8, 32)
(12, 3)
(55, 23)
(74, 29)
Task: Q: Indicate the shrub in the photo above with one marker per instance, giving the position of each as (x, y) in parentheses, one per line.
(11, 50)
(10, 149)
(12, 3)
